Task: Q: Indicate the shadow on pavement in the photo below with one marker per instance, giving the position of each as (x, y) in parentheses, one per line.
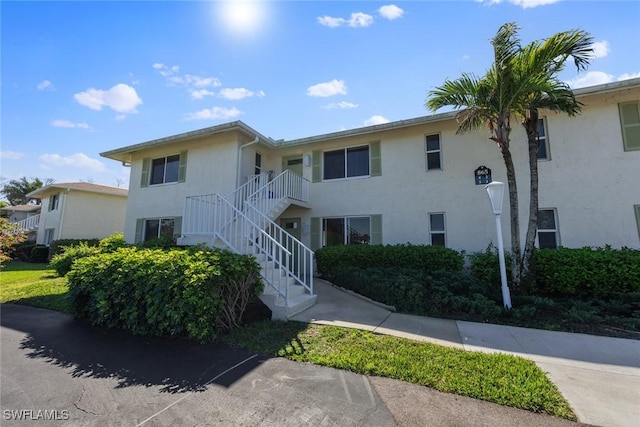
(176, 365)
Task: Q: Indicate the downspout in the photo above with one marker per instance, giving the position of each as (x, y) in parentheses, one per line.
(239, 175)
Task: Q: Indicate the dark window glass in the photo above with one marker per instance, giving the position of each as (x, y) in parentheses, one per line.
(333, 231)
(151, 229)
(437, 239)
(358, 161)
(433, 160)
(157, 171)
(334, 164)
(358, 231)
(437, 222)
(542, 140)
(547, 239)
(258, 164)
(546, 220)
(433, 142)
(166, 227)
(171, 173)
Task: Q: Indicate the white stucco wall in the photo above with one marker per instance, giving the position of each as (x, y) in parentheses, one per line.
(92, 215)
(211, 168)
(49, 219)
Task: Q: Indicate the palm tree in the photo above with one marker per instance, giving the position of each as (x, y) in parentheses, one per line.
(521, 81)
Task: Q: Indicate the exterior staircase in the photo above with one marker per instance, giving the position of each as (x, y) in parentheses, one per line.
(243, 222)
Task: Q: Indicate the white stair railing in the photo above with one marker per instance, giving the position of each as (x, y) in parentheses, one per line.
(29, 224)
(239, 219)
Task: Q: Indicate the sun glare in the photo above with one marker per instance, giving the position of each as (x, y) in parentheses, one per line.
(242, 17)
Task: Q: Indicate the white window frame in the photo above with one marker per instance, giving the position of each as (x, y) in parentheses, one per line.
(346, 172)
(544, 139)
(144, 227)
(49, 234)
(345, 230)
(555, 230)
(442, 232)
(427, 151)
(54, 201)
(164, 172)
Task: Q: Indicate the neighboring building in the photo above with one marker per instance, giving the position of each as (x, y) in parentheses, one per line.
(406, 181)
(79, 210)
(27, 216)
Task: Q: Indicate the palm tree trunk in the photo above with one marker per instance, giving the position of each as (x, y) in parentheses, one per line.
(515, 219)
(531, 126)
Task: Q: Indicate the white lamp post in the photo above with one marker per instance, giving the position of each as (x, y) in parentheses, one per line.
(495, 190)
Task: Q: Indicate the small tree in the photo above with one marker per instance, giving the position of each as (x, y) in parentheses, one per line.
(16, 190)
(10, 235)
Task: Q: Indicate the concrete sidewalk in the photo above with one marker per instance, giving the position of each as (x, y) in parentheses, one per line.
(599, 376)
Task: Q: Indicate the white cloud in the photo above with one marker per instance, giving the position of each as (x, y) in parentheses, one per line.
(627, 76)
(357, 19)
(600, 49)
(214, 113)
(120, 117)
(391, 12)
(164, 70)
(121, 98)
(68, 124)
(201, 93)
(77, 160)
(334, 87)
(11, 155)
(525, 4)
(238, 93)
(340, 105)
(376, 120)
(45, 84)
(591, 78)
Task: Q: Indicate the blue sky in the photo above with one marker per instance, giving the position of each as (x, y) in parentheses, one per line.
(80, 78)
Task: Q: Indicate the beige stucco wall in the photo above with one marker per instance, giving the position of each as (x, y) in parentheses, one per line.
(92, 215)
(211, 168)
(82, 215)
(590, 180)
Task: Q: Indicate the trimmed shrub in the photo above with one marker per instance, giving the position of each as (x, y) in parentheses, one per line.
(39, 254)
(401, 287)
(62, 262)
(22, 251)
(113, 242)
(158, 242)
(485, 266)
(59, 246)
(587, 271)
(332, 260)
(189, 293)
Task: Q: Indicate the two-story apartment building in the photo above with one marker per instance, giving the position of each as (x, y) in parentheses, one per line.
(406, 181)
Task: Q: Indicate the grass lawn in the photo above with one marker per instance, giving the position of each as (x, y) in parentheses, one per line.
(499, 378)
(33, 284)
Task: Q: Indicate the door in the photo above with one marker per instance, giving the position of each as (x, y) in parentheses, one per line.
(293, 227)
(293, 163)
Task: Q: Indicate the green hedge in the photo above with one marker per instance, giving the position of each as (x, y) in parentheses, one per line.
(566, 272)
(59, 246)
(192, 293)
(64, 259)
(332, 260)
(587, 271)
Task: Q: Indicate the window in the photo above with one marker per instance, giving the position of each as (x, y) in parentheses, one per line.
(630, 121)
(437, 229)
(164, 170)
(543, 142)
(434, 152)
(548, 235)
(157, 228)
(346, 163)
(258, 164)
(48, 236)
(346, 231)
(54, 200)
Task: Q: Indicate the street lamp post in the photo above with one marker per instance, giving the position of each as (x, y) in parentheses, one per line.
(495, 190)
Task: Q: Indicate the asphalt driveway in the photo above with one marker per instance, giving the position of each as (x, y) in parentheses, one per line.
(55, 370)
